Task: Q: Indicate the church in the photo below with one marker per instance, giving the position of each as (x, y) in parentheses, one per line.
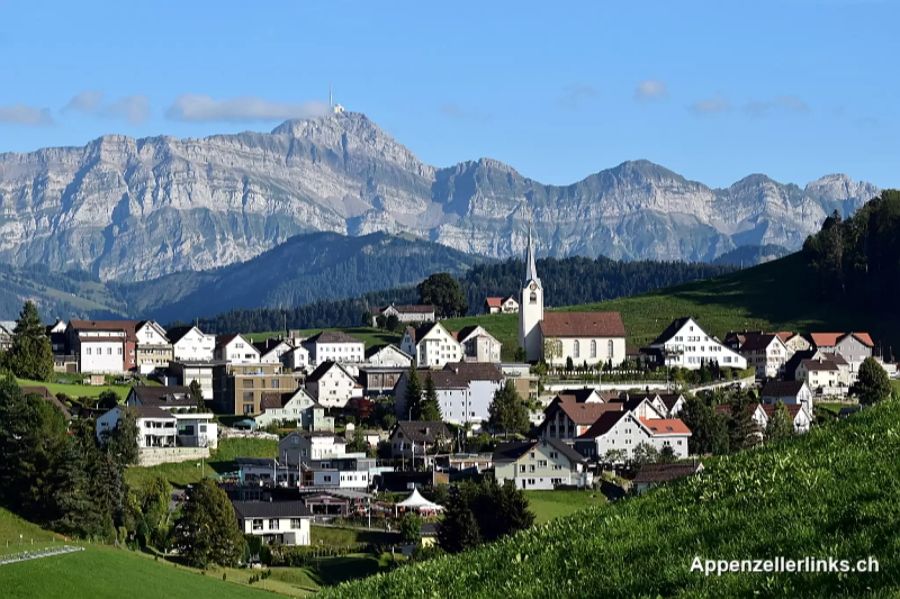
(585, 337)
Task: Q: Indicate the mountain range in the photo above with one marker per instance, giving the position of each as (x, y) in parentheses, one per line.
(130, 210)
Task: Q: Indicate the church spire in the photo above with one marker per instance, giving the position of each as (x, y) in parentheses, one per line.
(530, 267)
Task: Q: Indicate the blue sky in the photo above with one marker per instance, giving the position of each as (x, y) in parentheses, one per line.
(713, 90)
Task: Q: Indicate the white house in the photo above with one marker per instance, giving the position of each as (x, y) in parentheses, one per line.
(479, 345)
(297, 407)
(103, 346)
(410, 439)
(406, 313)
(160, 428)
(686, 345)
(284, 522)
(153, 349)
(464, 391)
(271, 351)
(540, 465)
(625, 431)
(432, 345)
(825, 375)
(190, 344)
(297, 357)
(501, 305)
(332, 386)
(800, 417)
(334, 346)
(764, 351)
(388, 355)
(788, 393)
(325, 462)
(300, 447)
(853, 347)
(235, 349)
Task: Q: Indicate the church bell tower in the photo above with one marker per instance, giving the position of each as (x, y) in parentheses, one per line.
(531, 308)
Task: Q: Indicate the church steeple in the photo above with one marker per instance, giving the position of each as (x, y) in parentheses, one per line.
(530, 267)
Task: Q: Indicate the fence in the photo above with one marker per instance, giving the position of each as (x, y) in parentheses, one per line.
(13, 558)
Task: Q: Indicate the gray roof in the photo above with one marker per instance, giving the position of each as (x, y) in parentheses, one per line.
(514, 450)
(270, 509)
(175, 396)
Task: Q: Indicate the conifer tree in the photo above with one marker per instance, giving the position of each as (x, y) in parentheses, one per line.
(30, 355)
(431, 409)
(413, 394)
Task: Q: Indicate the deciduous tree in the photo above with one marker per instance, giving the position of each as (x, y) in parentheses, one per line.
(207, 531)
(508, 412)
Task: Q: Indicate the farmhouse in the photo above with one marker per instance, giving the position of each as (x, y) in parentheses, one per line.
(103, 346)
(540, 465)
(432, 345)
(388, 355)
(622, 432)
(764, 351)
(686, 345)
(853, 347)
(406, 313)
(334, 346)
(332, 386)
(565, 419)
(501, 305)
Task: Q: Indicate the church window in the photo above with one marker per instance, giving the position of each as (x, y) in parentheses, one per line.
(609, 349)
(533, 298)
(577, 349)
(593, 348)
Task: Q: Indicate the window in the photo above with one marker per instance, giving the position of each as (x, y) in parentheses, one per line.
(533, 297)
(87, 351)
(609, 349)
(577, 349)
(522, 468)
(108, 351)
(296, 523)
(257, 524)
(593, 348)
(120, 351)
(273, 523)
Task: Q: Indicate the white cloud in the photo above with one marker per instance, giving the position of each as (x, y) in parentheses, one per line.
(22, 114)
(576, 95)
(135, 109)
(86, 101)
(651, 89)
(191, 107)
(713, 105)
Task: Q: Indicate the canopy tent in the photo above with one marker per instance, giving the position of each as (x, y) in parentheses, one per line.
(415, 502)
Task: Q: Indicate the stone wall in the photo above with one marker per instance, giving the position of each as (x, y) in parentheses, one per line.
(153, 456)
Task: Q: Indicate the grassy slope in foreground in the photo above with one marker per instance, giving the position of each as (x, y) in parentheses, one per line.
(834, 492)
(778, 295)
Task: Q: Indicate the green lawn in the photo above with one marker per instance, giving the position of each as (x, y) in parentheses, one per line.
(76, 390)
(220, 462)
(333, 536)
(102, 572)
(548, 505)
(18, 535)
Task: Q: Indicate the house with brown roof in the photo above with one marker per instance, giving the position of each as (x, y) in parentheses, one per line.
(764, 351)
(854, 347)
(788, 393)
(616, 435)
(478, 345)
(685, 344)
(825, 374)
(332, 385)
(794, 341)
(334, 346)
(543, 464)
(583, 337)
(801, 418)
(103, 346)
(501, 305)
(296, 407)
(432, 345)
(566, 419)
(464, 391)
(418, 438)
(153, 349)
(406, 313)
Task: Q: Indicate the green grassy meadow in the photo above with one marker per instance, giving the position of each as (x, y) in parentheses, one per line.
(221, 461)
(549, 505)
(833, 492)
(76, 390)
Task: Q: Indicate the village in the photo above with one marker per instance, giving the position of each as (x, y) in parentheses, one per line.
(367, 435)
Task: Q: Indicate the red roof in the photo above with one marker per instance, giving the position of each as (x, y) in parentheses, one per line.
(493, 302)
(831, 339)
(587, 413)
(666, 426)
(582, 324)
(792, 409)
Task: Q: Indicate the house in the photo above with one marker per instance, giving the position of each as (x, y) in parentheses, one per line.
(282, 522)
(297, 357)
(235, 349)
(239, 388)
(7, 328)
(825, 376)
(566, 418)
(103, 346)
(432, 345)
(56, 332)
(45, 394)
(323, 460)
(464, 391)
(272, 350)
(161, 428)
(190, 344)
(406, 313)
(557, 337)
(686, 345)
(541, 465)
(479, 345)
(186, 372)
(669, 404)
(334, 346)
(297, 407)
(388, 355)
(801, 418)
(332, 386)
(166, 397)
(652, 475)
(764, 351)
(153, 349)
(622, 432)
(853, 347)
(501, 305)
(416, 438)
(526, 383)
(380, 380)
(794, 341)
(788, 393)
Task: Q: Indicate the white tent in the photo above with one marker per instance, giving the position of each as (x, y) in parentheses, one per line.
(418, 503)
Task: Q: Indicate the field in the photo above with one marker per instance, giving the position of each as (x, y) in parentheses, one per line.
(772, 296)
(844, 475)
(220, 462)
(548, 505)
(334, 536)
(76, 390)
(18, 535)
